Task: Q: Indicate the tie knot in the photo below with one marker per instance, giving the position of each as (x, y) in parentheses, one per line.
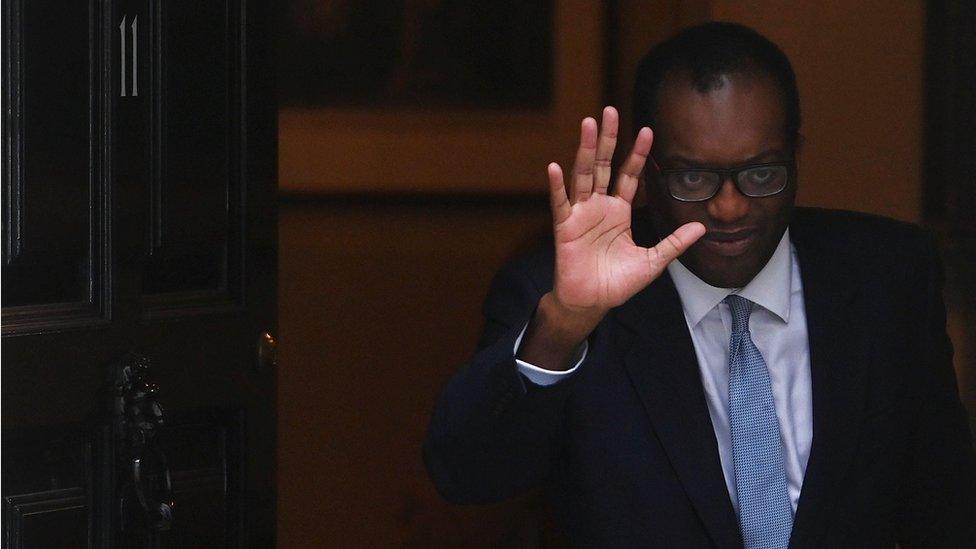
(741, 309)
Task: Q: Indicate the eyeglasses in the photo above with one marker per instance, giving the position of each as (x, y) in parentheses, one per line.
(700, 184)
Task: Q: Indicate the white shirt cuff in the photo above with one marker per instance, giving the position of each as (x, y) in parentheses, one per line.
(540, 376)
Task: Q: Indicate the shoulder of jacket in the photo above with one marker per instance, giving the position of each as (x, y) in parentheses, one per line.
(869, 246)
(859, 231)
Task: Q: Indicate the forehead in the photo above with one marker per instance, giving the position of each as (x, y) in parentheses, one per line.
(739, 119)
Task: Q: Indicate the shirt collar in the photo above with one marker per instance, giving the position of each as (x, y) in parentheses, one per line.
(770, 288)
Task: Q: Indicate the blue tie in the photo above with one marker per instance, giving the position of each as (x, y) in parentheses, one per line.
(765, 511)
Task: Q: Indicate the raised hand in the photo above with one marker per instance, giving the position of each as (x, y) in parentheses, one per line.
(598, 265)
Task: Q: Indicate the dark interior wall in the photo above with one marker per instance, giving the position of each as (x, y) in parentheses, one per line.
(379, 303)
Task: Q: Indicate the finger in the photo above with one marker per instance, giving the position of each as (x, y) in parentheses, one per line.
(583, 167)
(631, 169)
(673, 245)
(557, 194)
(606, 143)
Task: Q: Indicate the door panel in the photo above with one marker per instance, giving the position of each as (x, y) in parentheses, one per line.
(45, 480)
(52, 268)
(203, 449)
(53, 518)
(196, 233)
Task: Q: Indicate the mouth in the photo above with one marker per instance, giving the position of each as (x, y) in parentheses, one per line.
(729, 243)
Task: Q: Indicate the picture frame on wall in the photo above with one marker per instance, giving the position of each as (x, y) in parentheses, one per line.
(433, 97)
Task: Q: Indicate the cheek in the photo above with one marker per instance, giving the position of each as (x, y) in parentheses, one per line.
(672, 214)
(777, 211)
(684, 212)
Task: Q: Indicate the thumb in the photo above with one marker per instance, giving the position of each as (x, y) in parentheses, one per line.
(673, 245)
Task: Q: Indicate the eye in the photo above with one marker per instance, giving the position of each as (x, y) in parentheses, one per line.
(692, 185)
(761, 175)
(692, 180)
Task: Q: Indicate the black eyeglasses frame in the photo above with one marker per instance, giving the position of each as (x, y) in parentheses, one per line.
(732, 173)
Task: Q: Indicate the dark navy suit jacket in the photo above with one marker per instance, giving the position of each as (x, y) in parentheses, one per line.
(625, 447)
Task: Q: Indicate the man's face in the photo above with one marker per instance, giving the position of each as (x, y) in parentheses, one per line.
(739, 124)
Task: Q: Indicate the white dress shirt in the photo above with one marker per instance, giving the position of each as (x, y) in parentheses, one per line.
(779, 329)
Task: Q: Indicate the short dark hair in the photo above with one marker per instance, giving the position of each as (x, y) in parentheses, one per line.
(706, 52)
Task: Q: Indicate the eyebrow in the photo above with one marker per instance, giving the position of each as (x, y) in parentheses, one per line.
(677, 159)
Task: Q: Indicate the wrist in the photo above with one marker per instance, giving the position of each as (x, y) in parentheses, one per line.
(572, 324)
(556, 333)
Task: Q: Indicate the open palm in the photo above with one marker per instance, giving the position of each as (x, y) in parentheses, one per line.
(598, 265)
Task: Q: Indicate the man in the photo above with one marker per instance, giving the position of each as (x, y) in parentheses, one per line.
(787, 381)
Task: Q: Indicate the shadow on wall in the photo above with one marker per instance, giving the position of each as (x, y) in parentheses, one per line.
(379, 304)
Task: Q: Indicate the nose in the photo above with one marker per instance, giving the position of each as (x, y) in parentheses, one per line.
(729, 205)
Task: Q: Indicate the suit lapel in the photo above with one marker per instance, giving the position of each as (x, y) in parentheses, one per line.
(662, 366)
(837, 358)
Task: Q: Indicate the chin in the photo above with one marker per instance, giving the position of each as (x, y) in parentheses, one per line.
(723, 272)
(724, 280)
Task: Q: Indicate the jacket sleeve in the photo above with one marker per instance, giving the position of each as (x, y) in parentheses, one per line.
(492, 434)
(938, 490)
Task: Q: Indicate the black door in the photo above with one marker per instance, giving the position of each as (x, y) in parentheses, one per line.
(138, 283)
